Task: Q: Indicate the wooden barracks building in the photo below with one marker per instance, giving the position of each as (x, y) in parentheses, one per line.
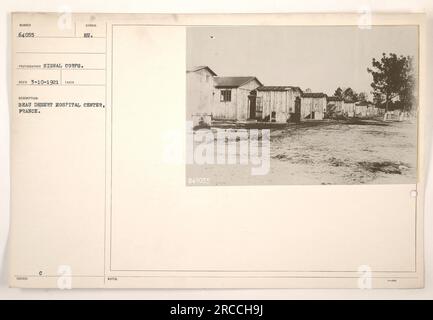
(212, 97)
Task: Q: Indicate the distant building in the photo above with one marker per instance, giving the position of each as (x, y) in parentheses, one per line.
(334, 105)
(278, 103)
(349, 108)
(371, 110)
(313, 105)
(361, 109)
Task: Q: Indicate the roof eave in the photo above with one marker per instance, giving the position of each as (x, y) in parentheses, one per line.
(227, 87)
(201, 68)
(248, 81)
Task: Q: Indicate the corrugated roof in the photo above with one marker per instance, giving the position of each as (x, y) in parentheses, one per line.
(233, 82)
(314, 95)
(278, 88)
(198, 68)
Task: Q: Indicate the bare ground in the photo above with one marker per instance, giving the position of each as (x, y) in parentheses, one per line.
(327, 152)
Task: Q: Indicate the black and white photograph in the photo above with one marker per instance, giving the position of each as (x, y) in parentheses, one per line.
(294, 105)
(266, 155)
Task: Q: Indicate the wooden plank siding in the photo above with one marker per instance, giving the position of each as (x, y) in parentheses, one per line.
(361, 110)
(335, 106)
(225, 110)
(313, 108)
(281, 102)
(237, 108)
(349, 109)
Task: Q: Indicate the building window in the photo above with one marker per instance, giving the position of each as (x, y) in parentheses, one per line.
(226, 96)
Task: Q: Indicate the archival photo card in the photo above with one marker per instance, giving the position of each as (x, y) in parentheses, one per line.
(291, 105)
(217, 151)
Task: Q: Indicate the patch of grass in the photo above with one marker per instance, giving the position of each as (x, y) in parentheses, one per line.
(388, 167)
(336, 162)
(282, 157)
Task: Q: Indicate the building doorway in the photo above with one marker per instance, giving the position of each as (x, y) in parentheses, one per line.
(297, 115)
(252, 100)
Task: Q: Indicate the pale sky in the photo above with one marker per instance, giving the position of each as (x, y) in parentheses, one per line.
(319, 58)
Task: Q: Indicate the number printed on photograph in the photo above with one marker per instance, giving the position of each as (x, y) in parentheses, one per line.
(315, 105)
